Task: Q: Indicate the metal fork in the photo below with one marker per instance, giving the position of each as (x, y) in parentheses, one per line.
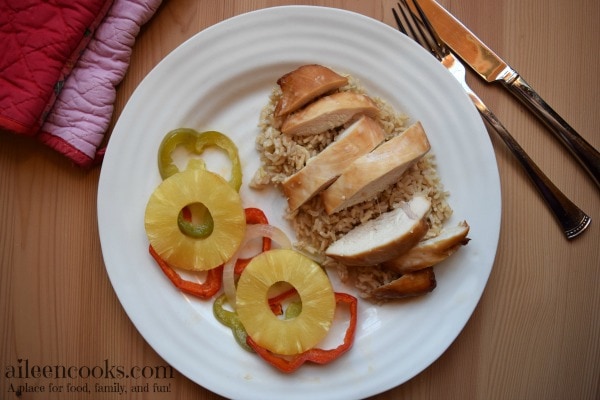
(572, 220)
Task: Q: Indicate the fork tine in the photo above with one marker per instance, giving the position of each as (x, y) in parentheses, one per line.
(398, 21)
(414, 25)
(438, 41)
(408, 17)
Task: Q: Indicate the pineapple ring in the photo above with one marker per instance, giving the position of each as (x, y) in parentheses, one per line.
(290, 336)
(224, 204)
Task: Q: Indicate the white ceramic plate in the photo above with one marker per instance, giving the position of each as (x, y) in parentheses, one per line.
(219, 80)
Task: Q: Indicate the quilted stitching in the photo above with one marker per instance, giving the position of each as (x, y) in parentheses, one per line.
(82, 112)
(40, 43)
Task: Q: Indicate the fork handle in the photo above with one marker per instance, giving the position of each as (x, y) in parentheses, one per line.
(584, 152)
(570, 217)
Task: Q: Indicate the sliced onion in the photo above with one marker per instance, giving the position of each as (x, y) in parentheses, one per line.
(253, 231)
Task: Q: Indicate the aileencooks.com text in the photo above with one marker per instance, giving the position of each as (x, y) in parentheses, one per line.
(23, 369)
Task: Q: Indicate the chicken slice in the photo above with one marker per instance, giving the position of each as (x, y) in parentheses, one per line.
(358, 139)
(305, 84)
(385, 237)
(409, 285)
(431, 251)
(327, 113)
(375, 171)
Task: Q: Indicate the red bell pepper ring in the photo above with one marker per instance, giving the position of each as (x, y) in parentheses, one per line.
(204, 290)
(315, 355)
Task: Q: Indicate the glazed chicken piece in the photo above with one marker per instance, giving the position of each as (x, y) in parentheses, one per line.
(375, 171)
(431, 251)
(385, 237)
(327, 113)
(359, 138)
(305, 84)
(409, 285)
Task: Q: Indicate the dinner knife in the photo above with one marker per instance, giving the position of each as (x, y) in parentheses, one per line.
(492, 68)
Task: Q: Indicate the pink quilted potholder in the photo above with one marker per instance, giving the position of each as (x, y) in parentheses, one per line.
(80, 117)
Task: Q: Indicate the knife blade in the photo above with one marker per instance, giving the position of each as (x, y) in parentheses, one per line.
(492, 68)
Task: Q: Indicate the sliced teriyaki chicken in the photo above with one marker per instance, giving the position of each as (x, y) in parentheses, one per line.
(375, 171)
(409, 285)
(328, 112)
(359, 138)
(431, 251)
(385, 237)
(305, 84)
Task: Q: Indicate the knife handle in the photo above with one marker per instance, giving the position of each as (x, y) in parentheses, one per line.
(584, 152)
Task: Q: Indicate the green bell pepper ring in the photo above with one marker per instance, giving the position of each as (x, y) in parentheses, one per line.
(231, 320)
(196, 142)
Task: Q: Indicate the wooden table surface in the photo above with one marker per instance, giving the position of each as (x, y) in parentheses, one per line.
(536, 331)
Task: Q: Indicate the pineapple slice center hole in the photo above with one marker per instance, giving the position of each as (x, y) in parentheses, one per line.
(291, 305)
(195, 220)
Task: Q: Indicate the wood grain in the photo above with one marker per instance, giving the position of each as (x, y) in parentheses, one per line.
(534, 334)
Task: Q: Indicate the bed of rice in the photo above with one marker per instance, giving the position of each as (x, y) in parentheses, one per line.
(282, 156)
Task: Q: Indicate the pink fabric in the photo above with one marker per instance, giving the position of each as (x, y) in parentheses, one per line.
(77, 123)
